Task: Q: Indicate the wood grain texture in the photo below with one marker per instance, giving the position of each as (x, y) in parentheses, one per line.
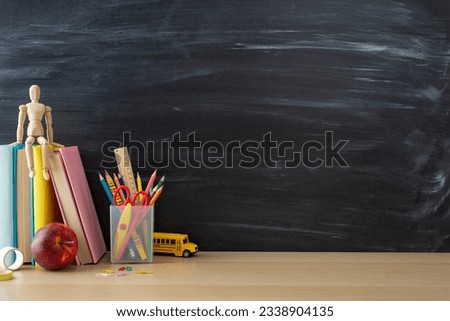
(375, 74)
(247, 276)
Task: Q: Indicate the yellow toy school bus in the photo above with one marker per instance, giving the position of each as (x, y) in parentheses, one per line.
(173, 243)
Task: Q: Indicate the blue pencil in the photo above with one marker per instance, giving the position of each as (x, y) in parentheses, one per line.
(106, 188)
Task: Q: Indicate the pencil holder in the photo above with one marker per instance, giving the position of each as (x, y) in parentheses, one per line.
(131, 234)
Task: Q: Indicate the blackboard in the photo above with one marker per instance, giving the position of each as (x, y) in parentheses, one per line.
(361, 85)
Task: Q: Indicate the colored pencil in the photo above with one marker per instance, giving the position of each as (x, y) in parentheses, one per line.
(121, 194)
(160, 183)
(106, 188)
(155, 197)
(122, 183)
(150, 183)
(112, 187)
(152, 202)
(139, 185)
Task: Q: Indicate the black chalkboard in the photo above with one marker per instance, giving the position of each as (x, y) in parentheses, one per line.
(361, 85)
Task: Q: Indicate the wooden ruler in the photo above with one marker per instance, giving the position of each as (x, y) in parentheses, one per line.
(125, 168)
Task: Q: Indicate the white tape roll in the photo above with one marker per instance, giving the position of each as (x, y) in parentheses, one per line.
(18, 261)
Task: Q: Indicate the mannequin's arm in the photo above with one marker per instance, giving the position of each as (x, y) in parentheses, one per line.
(49, 121)
(20, 123)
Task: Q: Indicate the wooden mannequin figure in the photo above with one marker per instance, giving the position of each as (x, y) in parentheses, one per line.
(35, 131)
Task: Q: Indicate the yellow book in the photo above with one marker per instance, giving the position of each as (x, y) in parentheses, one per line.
(46, 209)
(23, 201)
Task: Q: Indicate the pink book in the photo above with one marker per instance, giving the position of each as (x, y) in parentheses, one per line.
(83, 199)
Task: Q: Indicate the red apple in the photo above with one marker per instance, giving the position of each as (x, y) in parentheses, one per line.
(54, 246)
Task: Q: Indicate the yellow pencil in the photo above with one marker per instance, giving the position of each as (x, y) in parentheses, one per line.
(139, 185)
(112, 187)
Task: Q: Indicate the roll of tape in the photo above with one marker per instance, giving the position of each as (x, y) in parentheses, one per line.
(18, 262)
(5, 275)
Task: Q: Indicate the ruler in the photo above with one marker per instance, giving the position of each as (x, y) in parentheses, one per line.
(125, 168)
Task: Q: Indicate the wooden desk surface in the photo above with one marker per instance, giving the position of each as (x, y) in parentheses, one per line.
(246, 276)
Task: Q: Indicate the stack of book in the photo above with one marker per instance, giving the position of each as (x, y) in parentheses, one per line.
(27, 204)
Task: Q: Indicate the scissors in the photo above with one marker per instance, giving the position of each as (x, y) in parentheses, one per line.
(129, 220)
(143, 196)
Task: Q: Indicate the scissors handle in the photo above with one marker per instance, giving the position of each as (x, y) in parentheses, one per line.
(144, 201)
(117, 196)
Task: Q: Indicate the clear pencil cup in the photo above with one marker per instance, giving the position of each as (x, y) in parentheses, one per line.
(131, 234)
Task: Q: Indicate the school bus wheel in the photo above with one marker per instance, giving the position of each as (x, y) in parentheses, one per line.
(186, 253)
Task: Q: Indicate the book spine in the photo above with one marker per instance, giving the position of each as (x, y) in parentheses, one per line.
(84, 202)
(6, 197)
(44, 199)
